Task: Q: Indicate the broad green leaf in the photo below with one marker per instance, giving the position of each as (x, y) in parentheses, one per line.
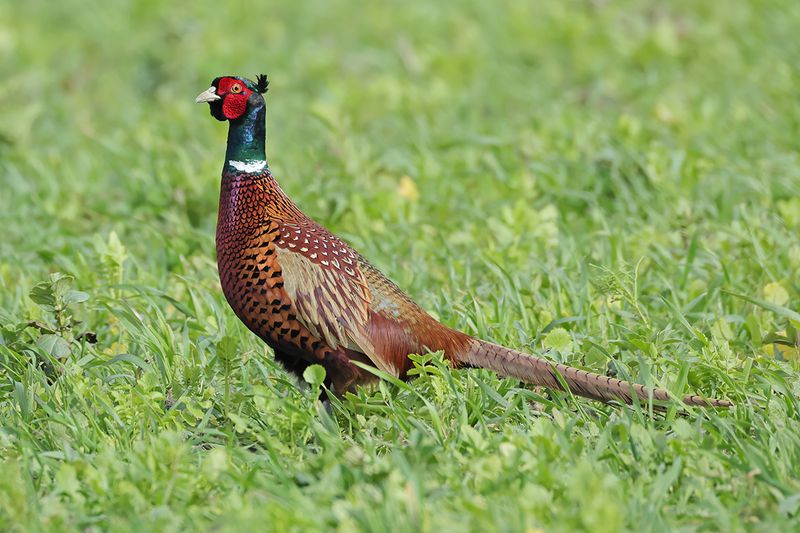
(55, 345)
(61, 284)
(314, 375)
(75, 297)
(560, 340)
(42, 294)
(227, 348)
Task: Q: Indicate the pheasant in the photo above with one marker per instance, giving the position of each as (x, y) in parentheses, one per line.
(315, 300)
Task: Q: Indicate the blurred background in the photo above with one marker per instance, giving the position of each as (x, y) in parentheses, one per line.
(555, 134)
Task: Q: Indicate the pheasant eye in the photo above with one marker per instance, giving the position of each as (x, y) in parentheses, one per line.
(236, 88)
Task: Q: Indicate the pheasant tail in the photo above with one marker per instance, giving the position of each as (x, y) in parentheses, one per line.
(542, 372)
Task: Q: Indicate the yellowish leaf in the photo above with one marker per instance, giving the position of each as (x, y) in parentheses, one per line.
(408, 189)
(775, 293)
(665, 114)
(790, 353)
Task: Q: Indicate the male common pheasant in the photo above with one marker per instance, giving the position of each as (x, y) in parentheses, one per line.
(314, 299)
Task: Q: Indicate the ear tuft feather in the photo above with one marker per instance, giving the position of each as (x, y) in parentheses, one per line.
(262, 83)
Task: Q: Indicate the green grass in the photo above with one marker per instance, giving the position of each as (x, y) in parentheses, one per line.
(616, 180)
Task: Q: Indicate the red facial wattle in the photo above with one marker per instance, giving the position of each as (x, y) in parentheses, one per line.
(235, 95)
(234, 106)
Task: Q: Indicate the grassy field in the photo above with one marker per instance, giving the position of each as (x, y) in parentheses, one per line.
(616, 181)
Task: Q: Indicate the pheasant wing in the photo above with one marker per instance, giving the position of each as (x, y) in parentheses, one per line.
(328, 289)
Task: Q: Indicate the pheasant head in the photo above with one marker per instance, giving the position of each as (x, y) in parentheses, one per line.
(240, 101)
(230, 96)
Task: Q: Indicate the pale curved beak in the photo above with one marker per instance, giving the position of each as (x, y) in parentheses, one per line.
(209, 95)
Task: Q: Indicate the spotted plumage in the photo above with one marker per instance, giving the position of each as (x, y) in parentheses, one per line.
(314, 299)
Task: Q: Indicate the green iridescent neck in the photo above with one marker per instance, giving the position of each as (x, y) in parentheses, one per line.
(246, 138)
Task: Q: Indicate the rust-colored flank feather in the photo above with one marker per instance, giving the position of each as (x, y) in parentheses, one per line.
(314, 299)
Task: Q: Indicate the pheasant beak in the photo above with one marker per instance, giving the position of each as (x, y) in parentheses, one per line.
(209, 95)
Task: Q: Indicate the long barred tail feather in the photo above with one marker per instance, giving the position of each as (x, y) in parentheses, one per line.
(538, 371)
